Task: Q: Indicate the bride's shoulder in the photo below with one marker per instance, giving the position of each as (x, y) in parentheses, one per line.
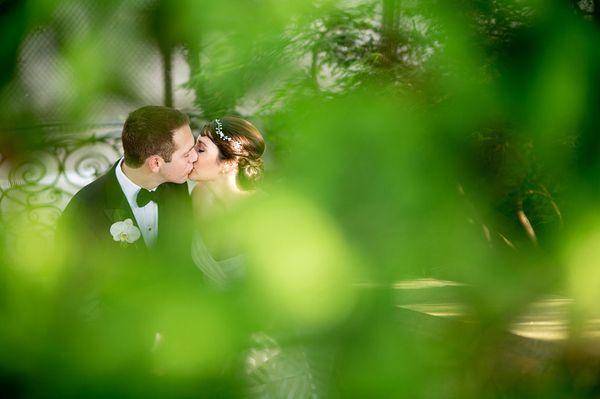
(258, 195)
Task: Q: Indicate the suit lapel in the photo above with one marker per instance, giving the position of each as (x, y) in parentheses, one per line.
(116, 207)
(163, 212)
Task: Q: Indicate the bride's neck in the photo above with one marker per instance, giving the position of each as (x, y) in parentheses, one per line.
(225, 189)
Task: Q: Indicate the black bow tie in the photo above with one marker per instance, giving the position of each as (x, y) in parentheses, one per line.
(144, 196)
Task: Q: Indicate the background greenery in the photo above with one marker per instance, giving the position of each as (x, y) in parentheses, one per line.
(406, 139)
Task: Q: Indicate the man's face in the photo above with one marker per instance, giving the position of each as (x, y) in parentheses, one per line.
(183, 157)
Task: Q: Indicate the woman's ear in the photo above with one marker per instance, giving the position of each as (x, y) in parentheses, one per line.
(154, 163)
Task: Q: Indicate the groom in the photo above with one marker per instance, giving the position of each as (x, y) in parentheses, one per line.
(142, 202)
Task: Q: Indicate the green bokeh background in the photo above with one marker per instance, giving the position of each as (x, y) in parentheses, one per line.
(406, 139)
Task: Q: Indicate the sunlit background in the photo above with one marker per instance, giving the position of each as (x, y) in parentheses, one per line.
(430, 219)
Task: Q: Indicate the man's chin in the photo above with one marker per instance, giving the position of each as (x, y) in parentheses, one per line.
(186, 177)
(180, 180)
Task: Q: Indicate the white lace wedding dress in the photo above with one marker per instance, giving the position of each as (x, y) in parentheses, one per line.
(273, 370)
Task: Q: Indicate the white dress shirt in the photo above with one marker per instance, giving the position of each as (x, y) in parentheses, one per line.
(146, 216)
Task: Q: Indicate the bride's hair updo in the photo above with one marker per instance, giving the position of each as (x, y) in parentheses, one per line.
(236, 138)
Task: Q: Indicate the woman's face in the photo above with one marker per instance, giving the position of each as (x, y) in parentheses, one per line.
(208, 165)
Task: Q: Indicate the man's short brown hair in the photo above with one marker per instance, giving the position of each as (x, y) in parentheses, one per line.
(149, 131)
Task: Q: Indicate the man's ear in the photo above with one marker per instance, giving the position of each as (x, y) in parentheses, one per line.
(154, 162)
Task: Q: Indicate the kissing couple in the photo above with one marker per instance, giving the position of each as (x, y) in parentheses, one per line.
(143, 204)
(141, 211)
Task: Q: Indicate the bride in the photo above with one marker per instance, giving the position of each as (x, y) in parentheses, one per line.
(228, 168)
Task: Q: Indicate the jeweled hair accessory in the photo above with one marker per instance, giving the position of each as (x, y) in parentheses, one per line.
(236, 145)
(219, 131)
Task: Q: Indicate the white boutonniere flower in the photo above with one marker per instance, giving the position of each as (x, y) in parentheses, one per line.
(125, 232)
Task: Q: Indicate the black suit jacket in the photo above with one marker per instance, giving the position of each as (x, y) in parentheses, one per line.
(109, 284)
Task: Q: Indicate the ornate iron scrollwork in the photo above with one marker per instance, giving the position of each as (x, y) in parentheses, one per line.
(36, 189)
